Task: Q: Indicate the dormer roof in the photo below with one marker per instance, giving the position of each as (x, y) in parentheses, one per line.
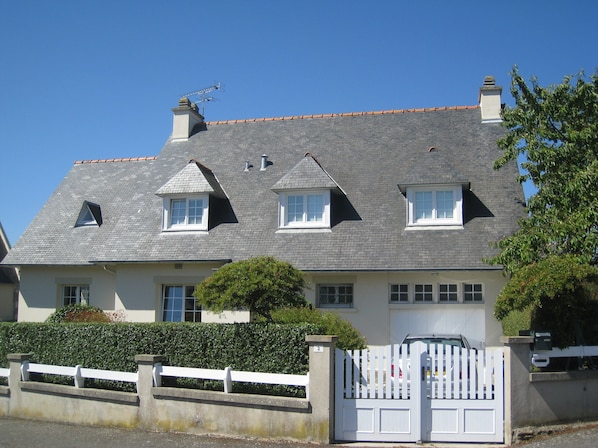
(195, 178)
(308, 174)
(431, 167)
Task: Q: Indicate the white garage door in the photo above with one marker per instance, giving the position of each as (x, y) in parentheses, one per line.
(468, 321)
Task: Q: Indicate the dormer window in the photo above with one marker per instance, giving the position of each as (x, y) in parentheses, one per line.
(190, 213)
(435, 206)
(89, 215)
(309, 209)
(304, 196)
(186, 198)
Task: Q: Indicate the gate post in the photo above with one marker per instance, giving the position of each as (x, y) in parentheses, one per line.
(517, 368)
(321, 385)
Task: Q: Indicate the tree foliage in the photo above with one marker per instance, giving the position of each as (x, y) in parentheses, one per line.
(349, 338)
(260, 284)
(561, 294)
(555, 129)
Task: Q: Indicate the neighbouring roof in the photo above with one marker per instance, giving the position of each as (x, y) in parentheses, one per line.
(364, 156)
(8, 275)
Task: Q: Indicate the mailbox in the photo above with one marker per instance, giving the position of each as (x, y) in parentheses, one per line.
(542, 340)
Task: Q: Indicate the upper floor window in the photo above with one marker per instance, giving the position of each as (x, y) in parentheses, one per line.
(399, 293)
(305, 209)
(433, 206)
(190, 213)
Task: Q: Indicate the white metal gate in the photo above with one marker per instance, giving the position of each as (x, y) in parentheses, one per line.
(405, 394)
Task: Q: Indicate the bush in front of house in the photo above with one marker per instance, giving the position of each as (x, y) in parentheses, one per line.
(349, 338)
(260, 347)
(78, 313)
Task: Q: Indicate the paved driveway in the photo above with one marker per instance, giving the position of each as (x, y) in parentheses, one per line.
(16, 433)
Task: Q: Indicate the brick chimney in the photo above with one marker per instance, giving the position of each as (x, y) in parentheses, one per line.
(186, 120)
(490, 104)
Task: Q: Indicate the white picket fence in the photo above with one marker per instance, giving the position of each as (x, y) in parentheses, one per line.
(385, 373)
(227, 375)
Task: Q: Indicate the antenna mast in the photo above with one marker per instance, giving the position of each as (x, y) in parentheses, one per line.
(201, 96)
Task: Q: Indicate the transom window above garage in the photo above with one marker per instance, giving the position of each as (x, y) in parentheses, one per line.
(436, 293)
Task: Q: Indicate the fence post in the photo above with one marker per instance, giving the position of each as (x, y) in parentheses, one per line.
(17, 374)
(145, 382)
(321, 385)
(517, 369)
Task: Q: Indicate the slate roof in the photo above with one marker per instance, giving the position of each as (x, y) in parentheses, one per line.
(367, 155)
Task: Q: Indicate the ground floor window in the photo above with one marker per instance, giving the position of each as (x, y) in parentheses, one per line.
(75, 295)
(335, 295)
(179, 304)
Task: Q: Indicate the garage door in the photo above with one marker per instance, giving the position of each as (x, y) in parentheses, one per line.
(468, 321)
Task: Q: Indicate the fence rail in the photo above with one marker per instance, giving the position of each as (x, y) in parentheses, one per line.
(541, 358)
(227, 375)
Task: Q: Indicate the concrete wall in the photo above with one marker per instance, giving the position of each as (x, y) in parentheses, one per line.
(184, 410)
(540, 398)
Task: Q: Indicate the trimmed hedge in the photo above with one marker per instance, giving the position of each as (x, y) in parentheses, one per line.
(259, 347)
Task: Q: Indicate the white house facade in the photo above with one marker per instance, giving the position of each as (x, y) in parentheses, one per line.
(390, 214)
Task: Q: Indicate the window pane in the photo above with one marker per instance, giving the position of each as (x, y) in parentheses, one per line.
(447, 293)
(423, 293)
(178, 211)
(315, 207)
(192, 308)
(399, 293)
(423, 205)
(444, 204)
(473, 292)
(173, 304)
(195, 211)
(69, 295)
(295, 209)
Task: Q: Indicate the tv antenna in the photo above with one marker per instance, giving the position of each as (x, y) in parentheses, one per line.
(201, 96)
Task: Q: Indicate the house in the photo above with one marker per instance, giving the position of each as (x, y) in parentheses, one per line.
(390, 214)
(9, 283)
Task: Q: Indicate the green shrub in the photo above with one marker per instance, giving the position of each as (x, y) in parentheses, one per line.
(78, 313)
(515, 321)
(256, 347)
(349, 337)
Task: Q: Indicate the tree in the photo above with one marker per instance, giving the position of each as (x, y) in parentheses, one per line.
(260, 284)
(551, 257)
(555, 129)
(559, 294)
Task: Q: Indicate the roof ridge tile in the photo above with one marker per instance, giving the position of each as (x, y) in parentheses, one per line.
(122, 159)
(344, 114)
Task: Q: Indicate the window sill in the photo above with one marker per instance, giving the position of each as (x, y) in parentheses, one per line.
(434, 227)
(344, 309)
(303, 230)
(185, 231)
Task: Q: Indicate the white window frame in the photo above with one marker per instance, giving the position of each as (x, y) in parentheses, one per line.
(473, 292)
(337, 303)
(435, 220)
(450, 292)
(167, 224)
(81, 294)
(425, 291)
(397, 293)
(183, 310)
(305, 223)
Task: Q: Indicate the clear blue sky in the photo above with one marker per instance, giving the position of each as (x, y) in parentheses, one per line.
(86, 80)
